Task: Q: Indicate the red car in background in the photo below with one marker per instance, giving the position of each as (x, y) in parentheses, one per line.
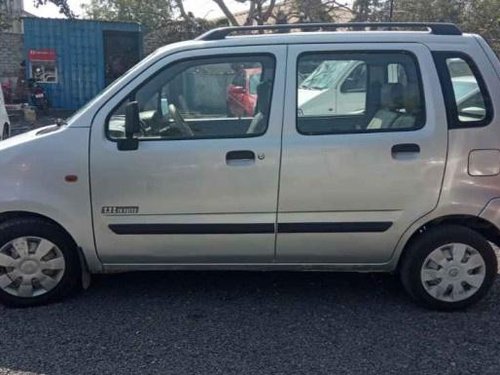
(242, 93)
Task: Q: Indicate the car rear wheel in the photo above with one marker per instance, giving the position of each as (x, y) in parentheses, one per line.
(448, 268)
(38, 263)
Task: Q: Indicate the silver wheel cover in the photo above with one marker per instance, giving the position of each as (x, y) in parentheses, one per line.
(30, 267)
(453, 272)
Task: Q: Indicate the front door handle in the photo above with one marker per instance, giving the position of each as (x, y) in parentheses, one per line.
(241, 157)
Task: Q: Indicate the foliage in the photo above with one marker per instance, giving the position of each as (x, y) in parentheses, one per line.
(61, 4)
(366, 10)
(477, 16)
(483, 17)
(152, 13)
(315, 10)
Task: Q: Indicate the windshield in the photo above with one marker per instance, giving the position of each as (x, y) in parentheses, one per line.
(325, 74)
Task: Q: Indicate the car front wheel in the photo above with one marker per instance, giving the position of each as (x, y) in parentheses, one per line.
(38, 263)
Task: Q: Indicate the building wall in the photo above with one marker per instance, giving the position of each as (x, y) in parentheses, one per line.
(80, 55)
(11, 52)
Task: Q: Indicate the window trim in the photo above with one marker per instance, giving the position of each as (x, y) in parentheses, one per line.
(214, 59)
(452, 117)
(410, 54)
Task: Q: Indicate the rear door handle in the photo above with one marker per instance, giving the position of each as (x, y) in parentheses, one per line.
(405, 151)
(407, 148)
(240, 157)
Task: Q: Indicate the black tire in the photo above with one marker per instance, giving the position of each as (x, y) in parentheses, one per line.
(418, 250)
(36, 227)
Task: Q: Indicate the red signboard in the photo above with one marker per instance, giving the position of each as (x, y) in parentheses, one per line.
(46, 54)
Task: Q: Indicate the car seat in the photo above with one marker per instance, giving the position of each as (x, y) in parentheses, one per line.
(259, 122)
(391, 100)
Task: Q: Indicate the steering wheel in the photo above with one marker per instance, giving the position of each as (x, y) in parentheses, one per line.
(179, 122)
(144, 128)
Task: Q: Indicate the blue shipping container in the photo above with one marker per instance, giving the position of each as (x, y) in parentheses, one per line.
(88, 56)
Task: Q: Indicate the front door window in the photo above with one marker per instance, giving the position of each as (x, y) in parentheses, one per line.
(209, 98)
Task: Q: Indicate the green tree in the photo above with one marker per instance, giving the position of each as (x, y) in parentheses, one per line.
(366, 10)
(152, 13)
(483, 17)
(428, 10)
(316, 10)
(157, 13)
(476, 16)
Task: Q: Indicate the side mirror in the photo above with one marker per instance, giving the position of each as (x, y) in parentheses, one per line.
(132, 127)
(132, 120)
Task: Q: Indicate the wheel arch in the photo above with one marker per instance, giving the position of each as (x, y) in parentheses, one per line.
(6, 216)
(484, 227)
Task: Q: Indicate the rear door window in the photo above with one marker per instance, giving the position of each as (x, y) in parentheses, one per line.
(356, 92)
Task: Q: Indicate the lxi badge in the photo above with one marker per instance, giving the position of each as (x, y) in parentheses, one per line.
(120, 210)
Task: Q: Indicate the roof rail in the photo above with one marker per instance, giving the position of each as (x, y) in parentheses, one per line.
(434, 27)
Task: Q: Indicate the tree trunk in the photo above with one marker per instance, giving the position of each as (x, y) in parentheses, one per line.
(222, 5)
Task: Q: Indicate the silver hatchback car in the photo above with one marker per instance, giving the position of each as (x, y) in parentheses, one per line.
(395, 169)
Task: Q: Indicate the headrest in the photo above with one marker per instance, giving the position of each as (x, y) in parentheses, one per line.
(391, 96)
(263, 97)
(412, 102)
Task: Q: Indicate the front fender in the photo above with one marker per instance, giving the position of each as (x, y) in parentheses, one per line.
(33, 168)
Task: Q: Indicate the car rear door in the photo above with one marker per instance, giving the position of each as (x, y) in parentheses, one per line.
(352, 183)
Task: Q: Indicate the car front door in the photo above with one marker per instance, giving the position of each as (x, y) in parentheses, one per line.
(202, 186)
(352, 183)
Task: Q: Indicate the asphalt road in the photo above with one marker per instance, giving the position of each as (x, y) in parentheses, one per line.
(248, 323)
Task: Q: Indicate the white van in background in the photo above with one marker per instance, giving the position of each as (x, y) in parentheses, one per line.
(334, 87)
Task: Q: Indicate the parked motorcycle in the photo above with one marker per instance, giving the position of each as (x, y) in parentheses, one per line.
(38, 96)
